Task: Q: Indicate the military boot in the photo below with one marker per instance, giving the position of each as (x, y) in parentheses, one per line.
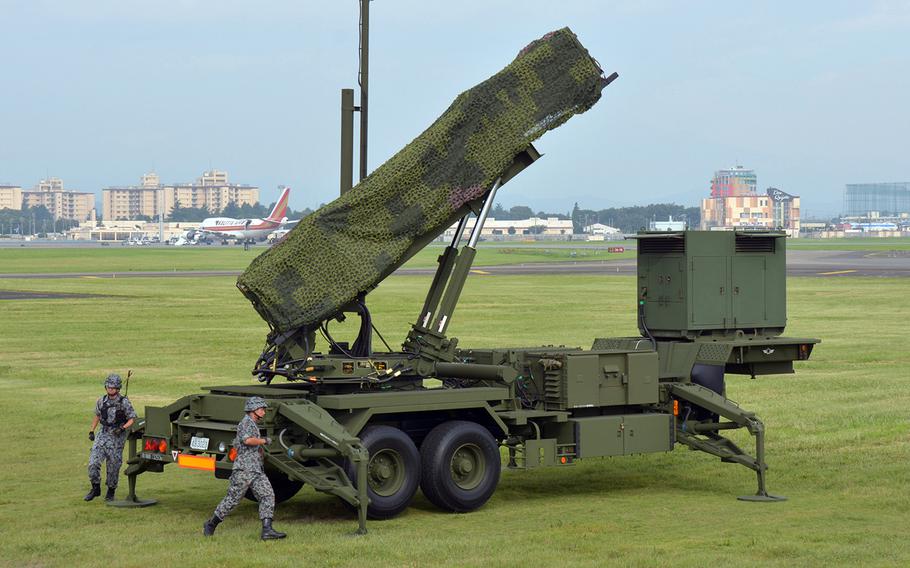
(109, 496)
(268, 533)
(95, 491)
(208, 527)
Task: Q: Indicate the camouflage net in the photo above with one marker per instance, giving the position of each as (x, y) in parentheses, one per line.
(351, 244)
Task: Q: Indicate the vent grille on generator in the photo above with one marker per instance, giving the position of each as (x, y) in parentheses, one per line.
(755, 244)
(662, 246)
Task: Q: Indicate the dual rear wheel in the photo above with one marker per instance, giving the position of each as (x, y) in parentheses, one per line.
(457, 468)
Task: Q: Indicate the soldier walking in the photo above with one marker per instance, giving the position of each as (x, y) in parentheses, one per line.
(115, 414)
(248, 473)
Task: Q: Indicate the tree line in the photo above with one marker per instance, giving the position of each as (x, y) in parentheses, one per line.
(35, 220)
(631, 219)
(179, 213)
(626, 219)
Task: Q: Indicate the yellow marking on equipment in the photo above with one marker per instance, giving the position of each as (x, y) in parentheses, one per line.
(92, 277)
(196, 462)
(479, 272)
(836, 272)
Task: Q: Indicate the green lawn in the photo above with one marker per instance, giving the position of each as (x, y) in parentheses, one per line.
(838, 441)
(130, 259)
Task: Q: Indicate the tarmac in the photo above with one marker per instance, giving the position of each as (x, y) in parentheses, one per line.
(811, 263)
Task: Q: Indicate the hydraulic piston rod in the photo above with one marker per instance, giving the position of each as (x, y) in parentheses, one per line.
(463, 266)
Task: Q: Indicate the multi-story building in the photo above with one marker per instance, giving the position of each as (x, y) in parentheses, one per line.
(150, 197)
(10, 197)
(734, 182)
(731, 207)
(62, 203)
(877, 199)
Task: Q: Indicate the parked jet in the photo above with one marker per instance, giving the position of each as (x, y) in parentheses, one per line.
(246, 230)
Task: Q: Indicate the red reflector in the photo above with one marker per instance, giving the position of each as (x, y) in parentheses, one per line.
(147, 445)
(563, 460)
(162, 446)
(232, 455)
(675, 407)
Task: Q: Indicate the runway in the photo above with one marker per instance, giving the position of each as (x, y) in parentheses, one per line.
(808, 263)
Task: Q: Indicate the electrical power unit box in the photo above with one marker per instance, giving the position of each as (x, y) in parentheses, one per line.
(697, 283)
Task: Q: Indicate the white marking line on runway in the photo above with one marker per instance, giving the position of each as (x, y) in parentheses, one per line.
(835, 272)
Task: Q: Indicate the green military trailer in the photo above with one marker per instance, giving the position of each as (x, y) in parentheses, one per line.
(372, 426)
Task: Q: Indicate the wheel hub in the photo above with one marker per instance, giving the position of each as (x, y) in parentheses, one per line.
(386, 472)
(468, 466)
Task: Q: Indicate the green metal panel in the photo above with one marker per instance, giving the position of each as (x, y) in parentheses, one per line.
(411, 400)
(715, 282)
(540, 453)
(645, 433)
(598, 436)
(749, 299)
(642, 377)
(582, 380)
(614, 379)
(710, 292)
(157, 422)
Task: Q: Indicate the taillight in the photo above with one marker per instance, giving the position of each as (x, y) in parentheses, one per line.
(232, 455)
(162, 446)
(149, 445)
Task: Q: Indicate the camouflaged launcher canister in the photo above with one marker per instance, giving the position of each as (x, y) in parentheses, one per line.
(351, 244)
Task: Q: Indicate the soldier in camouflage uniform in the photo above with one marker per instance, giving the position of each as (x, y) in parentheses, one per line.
(248, 473)
(115, 414)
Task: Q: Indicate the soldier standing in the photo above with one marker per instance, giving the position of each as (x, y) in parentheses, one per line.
(248, 473)
(116, 415)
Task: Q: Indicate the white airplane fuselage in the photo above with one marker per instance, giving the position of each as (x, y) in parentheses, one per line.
(248, 229)
(240, 229)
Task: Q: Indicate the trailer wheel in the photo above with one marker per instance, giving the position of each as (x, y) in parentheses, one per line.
(393, 472)
(283, 487)
(461, 466)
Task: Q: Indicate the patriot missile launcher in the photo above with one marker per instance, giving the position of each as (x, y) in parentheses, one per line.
(372, 426)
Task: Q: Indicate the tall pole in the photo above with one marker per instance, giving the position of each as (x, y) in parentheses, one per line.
(364, 81)
(347, 140)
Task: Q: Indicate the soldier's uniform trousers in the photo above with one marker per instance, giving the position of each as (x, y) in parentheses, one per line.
(108, 447)
(241, 480)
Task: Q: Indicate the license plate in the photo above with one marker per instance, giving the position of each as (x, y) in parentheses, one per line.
(201, 444)
(151, 456)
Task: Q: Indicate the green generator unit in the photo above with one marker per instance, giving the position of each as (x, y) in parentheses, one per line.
(723, 283)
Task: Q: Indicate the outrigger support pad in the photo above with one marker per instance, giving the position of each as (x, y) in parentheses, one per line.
(131, 499)
(705, 437)
(132, 471)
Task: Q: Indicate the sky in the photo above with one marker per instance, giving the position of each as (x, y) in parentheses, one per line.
(811, 95)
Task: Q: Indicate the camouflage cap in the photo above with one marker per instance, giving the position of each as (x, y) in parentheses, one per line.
(113, 381)
(255, 402)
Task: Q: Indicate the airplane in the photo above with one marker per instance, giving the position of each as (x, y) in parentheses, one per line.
(247, 230)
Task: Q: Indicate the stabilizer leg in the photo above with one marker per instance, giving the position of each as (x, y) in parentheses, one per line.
(134, 468)
(715, 444)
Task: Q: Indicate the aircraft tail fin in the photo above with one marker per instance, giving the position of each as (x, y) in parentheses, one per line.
(281, 207)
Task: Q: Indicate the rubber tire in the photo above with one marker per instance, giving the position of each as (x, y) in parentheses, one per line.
(436, 455)
(711, 377)
(376, 439)
(283, 487)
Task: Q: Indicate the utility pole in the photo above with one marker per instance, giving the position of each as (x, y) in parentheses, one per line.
(348, 109)
(364, 81)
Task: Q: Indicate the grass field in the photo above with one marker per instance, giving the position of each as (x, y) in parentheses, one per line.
(131, 259)
(838, 441)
